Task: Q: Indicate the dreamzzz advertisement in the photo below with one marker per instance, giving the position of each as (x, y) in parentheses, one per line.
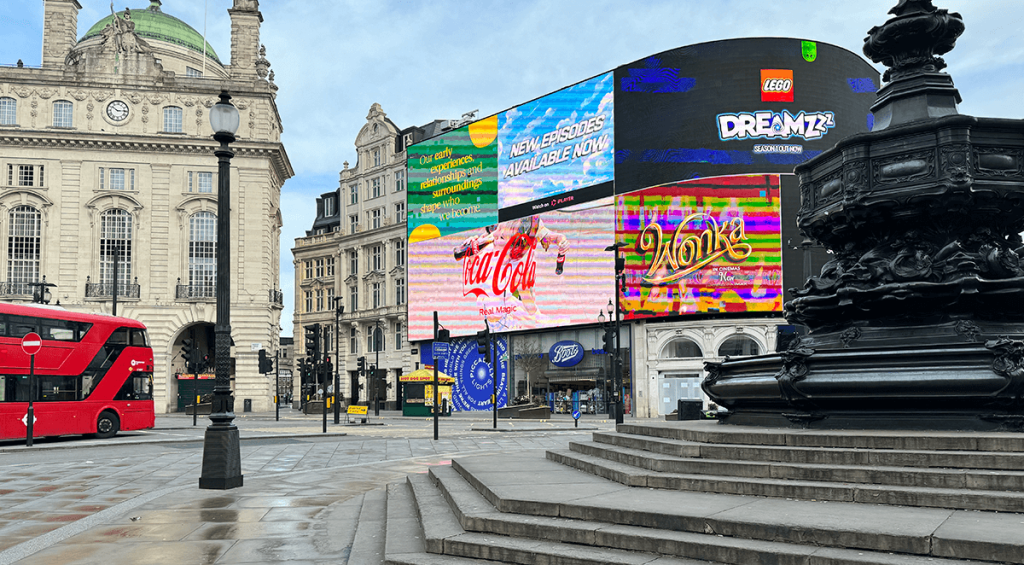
(541, 271)
(702, 246)
(473, 376)
(556, 144)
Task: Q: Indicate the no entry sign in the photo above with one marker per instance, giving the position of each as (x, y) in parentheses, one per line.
(31, 343)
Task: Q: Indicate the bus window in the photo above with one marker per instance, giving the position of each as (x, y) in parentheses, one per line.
(137, 387)
(139, 338)
(13, 388)
(119, 337)
(59, 330)
(20, 326)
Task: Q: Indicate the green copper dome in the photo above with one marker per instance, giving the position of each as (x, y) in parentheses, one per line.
(151, 23)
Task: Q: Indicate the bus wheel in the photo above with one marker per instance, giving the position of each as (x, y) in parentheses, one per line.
(107, 425)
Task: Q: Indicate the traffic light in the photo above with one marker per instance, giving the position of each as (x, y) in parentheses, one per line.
(313, 342)
(607, 339)
(361, 366)
(266, 364)
(483, 342)
(187, 354)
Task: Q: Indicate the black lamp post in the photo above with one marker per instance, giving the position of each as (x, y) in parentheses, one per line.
(222, 462)
(620, 281)
(41, 293)
(377, 338)
(339, 309)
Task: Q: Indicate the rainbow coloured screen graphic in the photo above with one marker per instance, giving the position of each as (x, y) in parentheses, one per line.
(702, 246)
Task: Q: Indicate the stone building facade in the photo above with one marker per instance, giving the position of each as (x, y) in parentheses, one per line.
(356, 251)
(108, 160)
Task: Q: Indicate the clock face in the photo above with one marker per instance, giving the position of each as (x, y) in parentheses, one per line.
(117, 110)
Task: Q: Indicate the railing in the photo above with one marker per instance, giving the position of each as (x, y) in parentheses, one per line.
(195, 292)
(277, 297)
(15, 289)
(106, 290)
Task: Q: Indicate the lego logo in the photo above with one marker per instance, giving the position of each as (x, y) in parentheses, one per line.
(777, 85)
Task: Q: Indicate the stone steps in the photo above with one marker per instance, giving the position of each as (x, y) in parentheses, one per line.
(368, 543)
(796, 489)
(970, 479)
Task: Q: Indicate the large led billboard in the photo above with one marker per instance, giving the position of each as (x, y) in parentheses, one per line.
(540, 271)
(557, 144)
(453, 182)
(703, 246)
(750, 105)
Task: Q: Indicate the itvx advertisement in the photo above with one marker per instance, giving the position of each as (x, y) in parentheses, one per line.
(540, 271)
(702, 246)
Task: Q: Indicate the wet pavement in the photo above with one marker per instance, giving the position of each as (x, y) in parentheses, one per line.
(300, 503)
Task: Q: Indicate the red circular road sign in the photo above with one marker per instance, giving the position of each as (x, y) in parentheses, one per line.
(31, 343)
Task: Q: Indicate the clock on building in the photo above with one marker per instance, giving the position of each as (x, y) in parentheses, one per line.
(117, 110)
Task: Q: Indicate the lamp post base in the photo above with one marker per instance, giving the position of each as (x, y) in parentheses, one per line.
(222, 462)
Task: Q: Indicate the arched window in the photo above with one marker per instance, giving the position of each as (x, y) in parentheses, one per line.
(62, 111)
(8, 111)
(738, 347)
(116, 245)
(23, 244)
(681, 349)
(172, 119)
(202, 253)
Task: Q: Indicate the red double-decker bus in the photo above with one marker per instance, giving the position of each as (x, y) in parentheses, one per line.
(93, 375)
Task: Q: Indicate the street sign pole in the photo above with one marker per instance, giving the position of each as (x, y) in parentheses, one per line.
(494, 373)
(277, 385)
(31, 416)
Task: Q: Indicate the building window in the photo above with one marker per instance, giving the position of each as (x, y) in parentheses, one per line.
(353, 223)
(116, 245)
(400, 253)
(200, 182)
(376, 290)
(308, 270)
(330, 298)
(738, 347)
(329, 207)
(8, 111)
(320, 300)
(117, 179)
(352, 341)
(25, 175)
(399, 291)
(353, 194)
(308, 296)
(400, 215)
(62, 111)
(375, 218)
(319, 268)
(377, 257)
(330, 266)
(195, 73)
(328, 338)
(23, 246)
(375, 339)
(353, 297)
(202, 249)
(375, 188)
(398, 336)
(172, 119)
(353, 263)
(399, 181)
(681, 348)
(376, 157)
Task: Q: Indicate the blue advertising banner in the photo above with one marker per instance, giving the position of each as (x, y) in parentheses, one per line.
(472, 374)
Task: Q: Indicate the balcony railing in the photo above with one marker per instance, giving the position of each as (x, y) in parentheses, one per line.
(15, 289)
(277, 297)
(106, 290)
(196, 292)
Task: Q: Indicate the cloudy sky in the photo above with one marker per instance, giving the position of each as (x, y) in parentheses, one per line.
(425, 60)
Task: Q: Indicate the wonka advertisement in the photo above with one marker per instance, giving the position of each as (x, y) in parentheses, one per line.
(702, 246)
(541, 271)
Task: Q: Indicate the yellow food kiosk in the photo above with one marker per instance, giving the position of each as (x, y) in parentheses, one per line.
(418, 392)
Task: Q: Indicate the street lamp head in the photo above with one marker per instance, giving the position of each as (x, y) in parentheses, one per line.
(600, 316)
(610, 308)
(224, 118)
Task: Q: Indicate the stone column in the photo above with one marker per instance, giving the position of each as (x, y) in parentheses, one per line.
(60, 30)
(245, 38)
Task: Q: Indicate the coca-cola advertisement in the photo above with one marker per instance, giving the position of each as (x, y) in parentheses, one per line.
(541, 271)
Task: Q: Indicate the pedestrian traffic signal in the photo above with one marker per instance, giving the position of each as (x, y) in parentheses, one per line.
(361, 366)
(483, 342)
(266, 364)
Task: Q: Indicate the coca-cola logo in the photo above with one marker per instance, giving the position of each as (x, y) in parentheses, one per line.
(566, 354)
(492, 272)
